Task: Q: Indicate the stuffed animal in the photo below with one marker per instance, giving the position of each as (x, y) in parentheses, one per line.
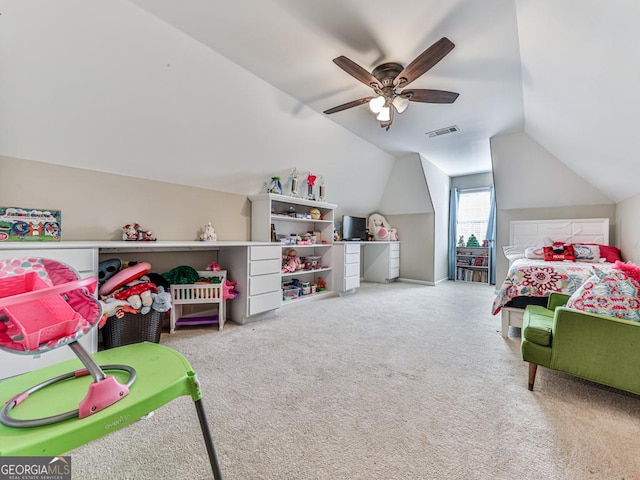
(380, 229)
(134, 232)
(161, 300)
(209, 234)
(291, 262)
(138, 295)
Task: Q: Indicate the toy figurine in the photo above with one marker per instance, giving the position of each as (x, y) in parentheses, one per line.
(275, 186)
(461, 241)
(311, 181)
(294, 183)
(209, 233)
(291, 262)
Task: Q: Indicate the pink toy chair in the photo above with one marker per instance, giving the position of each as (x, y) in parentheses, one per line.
(45, 305)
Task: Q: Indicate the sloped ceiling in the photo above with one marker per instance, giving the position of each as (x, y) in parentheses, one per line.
(580, 82)
(225, 94)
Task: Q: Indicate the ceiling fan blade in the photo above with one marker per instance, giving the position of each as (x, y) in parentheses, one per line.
(425, 61)
(344, 106)
(356, 71)
(430, 96)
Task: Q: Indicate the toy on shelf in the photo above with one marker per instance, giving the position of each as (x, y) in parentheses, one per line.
(311, 181)
(461, 241)
(291, 262)
(208, 233)
(321, 189)
(473, 241)
(275, 186)
(294, 183)
(134, 232)
(380, 228)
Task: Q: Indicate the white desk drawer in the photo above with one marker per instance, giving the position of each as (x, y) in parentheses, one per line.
(394, 273)
(394, 263)
(265, 302)
(263, 267)
(352, 282)
(264, 284)
(352, 258)
(394, 247)
(352, 248)
(264, 253)
(352, 269)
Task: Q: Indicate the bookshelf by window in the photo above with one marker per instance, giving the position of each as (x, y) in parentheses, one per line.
(472, 264)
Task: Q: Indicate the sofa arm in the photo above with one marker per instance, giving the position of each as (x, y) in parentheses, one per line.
(600, 348)
(557, 300)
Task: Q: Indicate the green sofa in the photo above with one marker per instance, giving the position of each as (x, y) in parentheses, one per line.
(600, 348)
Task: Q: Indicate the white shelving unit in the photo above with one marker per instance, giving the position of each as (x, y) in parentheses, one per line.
(472, 264)
(275, 215)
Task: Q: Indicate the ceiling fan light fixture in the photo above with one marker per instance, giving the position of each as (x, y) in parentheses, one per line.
(384, 115)
(376, 104)
(400, 103)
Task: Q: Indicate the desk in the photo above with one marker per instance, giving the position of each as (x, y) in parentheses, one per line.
(378, 262)
(239, 256)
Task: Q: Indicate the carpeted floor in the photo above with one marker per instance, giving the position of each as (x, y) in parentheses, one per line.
(399, 381)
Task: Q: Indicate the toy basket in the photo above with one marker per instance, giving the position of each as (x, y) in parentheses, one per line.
(132, 328)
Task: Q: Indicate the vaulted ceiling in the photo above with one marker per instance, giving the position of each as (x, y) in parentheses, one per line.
(102, 85)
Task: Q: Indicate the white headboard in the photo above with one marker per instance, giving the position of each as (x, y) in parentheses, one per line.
(536, 232)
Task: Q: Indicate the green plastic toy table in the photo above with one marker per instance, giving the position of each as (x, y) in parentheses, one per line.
(163, 374)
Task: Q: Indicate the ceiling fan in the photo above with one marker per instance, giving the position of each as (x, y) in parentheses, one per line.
(389, 80)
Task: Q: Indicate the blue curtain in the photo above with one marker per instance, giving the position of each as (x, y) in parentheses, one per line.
(453, 223)
(491, 236)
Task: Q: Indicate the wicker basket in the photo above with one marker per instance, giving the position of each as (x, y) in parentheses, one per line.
(132, 328)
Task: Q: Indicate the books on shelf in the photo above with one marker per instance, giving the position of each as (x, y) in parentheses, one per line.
(469, 275)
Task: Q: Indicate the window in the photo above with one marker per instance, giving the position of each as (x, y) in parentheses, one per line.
(473, 214)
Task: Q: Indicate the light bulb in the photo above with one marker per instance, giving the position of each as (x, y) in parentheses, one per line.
(384, 115)
(376, 104)
(400, 103)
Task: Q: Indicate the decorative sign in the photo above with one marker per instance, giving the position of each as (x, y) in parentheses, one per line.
(27, 225)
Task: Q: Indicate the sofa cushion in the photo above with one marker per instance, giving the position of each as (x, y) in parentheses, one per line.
(536, 325)
(613, 293)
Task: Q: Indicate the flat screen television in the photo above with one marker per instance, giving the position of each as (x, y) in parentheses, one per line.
(354, 228)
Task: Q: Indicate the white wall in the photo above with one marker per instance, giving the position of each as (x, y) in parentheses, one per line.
(105, 86)
(628, 229)
(526, 175)
(439, 186)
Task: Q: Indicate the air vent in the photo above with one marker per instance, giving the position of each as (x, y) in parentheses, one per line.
(443, 131)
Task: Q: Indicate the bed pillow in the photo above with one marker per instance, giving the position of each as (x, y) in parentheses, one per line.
(559, 253)
(610, 253)
(513, 252)
(534, 253)
(586, 253)
(613, 293)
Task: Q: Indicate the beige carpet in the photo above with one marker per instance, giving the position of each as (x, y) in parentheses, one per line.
(399, 381)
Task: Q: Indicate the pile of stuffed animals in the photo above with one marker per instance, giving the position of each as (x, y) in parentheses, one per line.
(130, 288)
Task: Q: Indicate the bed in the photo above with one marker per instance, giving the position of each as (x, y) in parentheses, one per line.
(531, 280)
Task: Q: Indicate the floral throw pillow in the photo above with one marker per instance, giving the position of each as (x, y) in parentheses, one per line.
(613, 293)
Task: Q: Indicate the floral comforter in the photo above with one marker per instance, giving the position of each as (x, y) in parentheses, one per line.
(538, 278)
